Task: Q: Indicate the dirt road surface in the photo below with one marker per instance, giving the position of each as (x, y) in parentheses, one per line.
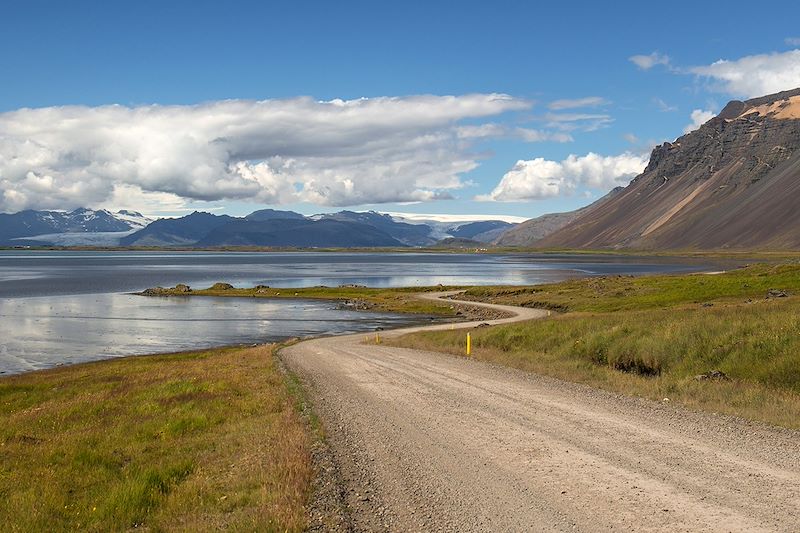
(422, 441)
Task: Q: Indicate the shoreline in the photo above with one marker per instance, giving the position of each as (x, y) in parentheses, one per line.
(399, 300)
(416, 319)
(4, 374)
(743, 254)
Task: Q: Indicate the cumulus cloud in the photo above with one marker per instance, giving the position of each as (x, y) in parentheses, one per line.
(589, 101)
(754, 75)
(541, 178)
(698, 118)
(646, 62)
(336, 153)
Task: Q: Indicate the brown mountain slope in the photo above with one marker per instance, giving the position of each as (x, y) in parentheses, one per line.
(733, 183)
(531, 231)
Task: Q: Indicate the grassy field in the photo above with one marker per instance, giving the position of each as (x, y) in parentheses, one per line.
(652, 337)
(195, 441)
(620, 293)
(395, 300)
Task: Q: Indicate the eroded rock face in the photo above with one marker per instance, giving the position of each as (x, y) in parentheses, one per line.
(734, 182)
(221, 287)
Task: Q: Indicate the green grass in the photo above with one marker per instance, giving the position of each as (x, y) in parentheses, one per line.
(651, 336)
(195, 442)
(394, 300)
(617, 293)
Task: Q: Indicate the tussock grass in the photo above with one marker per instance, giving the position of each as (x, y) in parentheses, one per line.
(195, 441)
(654, 340)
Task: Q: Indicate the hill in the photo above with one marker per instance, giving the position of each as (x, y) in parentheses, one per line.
(482, 231)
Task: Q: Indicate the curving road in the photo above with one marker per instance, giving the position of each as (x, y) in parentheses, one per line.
(423, 441)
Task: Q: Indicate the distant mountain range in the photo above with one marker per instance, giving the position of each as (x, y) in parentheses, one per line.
(36, 228)
(266, 227)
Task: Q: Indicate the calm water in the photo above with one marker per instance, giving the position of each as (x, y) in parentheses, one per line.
(66, 307)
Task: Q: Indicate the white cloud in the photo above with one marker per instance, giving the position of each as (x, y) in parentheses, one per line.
(663, 106)
(529, 135)
(541, 178)
(275, 151)
(792, 41)
(698, 117)
(755, 75)
(490, 130)
(646, 62)
(589, 101)
(578, 121)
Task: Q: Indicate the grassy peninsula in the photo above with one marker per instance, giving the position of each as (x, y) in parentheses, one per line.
(393, 300)
(728, 342)
(195, 441)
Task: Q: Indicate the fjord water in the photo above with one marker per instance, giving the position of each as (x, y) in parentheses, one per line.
(59, 307)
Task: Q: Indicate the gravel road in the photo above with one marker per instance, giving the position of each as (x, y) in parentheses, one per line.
(421, 441)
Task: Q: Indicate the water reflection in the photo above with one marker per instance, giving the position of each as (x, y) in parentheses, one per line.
(42, 332)
(64, 307)
(50, 273)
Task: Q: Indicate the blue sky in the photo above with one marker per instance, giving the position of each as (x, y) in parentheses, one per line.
(567, 65)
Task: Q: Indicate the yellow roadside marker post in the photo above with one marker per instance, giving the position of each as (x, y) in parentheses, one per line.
(469, 344)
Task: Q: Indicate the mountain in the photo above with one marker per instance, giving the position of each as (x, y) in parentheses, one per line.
(272, 214)
(530, 232)
(481, 231)
(265, 227)
(47, 227)
(442, 227)
(409, 234)
(183, 231)
(304, 233)
(732, 183)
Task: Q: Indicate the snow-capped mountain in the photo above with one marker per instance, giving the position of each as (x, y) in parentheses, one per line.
(135, 219)
(81, 226)
(267, 227)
